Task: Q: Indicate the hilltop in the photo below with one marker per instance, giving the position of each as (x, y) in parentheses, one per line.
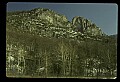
(47, 23)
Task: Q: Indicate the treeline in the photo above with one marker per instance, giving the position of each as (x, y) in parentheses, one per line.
(52, 57)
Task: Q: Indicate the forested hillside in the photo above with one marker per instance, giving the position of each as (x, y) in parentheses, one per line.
(43, 43)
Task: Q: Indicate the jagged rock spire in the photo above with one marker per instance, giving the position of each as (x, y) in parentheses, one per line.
(86, 26)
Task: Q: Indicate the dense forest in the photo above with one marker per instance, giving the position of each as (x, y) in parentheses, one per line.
(60, 57)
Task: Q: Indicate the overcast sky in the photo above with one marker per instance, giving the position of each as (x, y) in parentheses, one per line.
(103, 15)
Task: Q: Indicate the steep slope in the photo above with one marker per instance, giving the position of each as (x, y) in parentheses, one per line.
(47, 23)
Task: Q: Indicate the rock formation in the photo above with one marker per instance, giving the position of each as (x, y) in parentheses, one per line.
(47, 23)
(86, 26)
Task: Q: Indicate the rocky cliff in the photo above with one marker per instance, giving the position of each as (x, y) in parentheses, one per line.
(86, 26)
(47, 23)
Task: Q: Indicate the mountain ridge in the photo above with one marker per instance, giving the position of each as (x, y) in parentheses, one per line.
(46, 22)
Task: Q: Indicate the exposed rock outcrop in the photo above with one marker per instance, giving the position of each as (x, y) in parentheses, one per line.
(47, 23)
(86, 26)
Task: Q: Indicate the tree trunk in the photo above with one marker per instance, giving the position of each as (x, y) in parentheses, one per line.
(46, 62)
(24, 65)
(63, 56)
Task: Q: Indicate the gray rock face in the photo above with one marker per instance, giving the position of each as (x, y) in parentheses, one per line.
(86, 26)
